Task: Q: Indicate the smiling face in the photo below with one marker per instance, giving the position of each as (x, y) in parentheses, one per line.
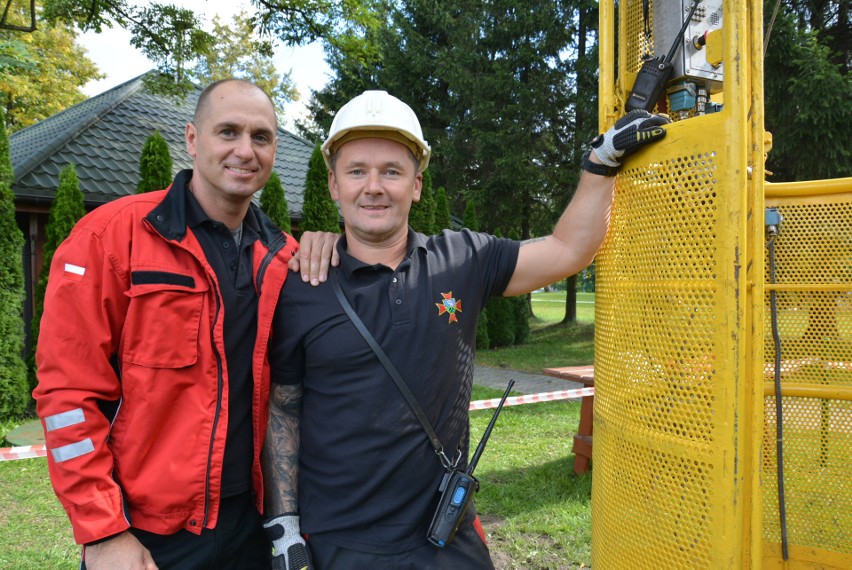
(375, 181)
(232, 141)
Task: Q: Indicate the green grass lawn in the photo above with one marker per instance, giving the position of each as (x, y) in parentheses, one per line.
(536, 511)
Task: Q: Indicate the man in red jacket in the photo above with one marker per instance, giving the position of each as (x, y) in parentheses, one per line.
(152, 359)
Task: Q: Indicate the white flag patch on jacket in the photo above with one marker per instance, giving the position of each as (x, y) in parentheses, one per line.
(74, 272)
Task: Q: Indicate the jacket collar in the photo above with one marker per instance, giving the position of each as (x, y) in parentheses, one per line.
(169, 217)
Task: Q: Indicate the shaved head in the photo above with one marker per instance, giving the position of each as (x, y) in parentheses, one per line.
(203, 106)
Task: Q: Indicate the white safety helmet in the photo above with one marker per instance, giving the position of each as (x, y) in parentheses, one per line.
(377, 114)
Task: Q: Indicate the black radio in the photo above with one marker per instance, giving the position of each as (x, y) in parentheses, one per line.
(457, 489)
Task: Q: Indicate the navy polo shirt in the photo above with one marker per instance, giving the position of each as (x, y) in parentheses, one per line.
(368, 474)
(232, 264)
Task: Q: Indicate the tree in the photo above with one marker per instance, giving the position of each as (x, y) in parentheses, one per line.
(807, 88)
(470, 220)
(422, 214)
(520, 311)
(65, 212)
(273, 201)
(238, 51)
(319, 212)
(172, 37)
(501, 321)
(443, 221)
(14, 396)
(43, 74)
(155, 165)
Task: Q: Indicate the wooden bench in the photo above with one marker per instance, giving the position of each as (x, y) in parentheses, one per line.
(582, 447)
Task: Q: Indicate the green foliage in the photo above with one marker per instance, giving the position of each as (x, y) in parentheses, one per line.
(273, 201)
(807, 89)
(41, 73)
(482, 340)
(470, 220)
(319, 212)
(14, 396)
(239, 51)
(155, 165)
(501, 322)
(65, 211)
(172, 37)
(7, 174)
(520, 310)
(422, 214)
(521, 317)
(442, 212)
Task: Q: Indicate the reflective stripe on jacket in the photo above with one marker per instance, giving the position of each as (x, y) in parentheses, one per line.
(132, 388)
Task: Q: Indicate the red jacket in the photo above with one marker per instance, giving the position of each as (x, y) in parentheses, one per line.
(132, 390)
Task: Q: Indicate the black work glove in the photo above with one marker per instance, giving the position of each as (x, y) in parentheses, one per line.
(290, 550)
(630, 133)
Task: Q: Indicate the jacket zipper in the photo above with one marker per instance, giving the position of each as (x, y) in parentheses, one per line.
(219, 380)
(219, 383)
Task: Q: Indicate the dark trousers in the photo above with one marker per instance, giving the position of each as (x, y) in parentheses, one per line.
(467, 551)
(237, 543)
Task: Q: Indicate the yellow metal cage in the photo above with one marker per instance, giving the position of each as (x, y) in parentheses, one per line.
(685, 465)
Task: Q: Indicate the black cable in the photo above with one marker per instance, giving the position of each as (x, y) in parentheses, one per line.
(779, 424)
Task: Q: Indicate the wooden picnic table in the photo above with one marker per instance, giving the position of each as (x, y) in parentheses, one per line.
(582, 447)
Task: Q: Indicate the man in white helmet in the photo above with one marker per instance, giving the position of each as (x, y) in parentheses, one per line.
(368, 474)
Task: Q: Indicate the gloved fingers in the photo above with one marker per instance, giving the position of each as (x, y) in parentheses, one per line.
(649, 134)
(297, 557)
(655, 121)
(634, 115)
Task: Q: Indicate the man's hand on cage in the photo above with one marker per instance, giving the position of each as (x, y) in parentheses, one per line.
(630, 133)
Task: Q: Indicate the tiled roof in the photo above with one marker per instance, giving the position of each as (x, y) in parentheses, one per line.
(103, 137)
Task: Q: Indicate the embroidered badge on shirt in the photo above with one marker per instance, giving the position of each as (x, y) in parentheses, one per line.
(449, 305)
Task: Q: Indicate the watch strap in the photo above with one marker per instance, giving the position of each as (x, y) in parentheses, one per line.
(595, 168)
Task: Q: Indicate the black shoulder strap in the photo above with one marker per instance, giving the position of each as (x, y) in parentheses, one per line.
(391, 369)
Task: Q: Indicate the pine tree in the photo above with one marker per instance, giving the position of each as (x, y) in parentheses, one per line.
(482, 340)
(501, 320)
(442, 212)
(470, 220)
(273, 202)
(422, 215)
(14, 396)
(155, 165)
(520, 310)
(65, 212)
(319, 212)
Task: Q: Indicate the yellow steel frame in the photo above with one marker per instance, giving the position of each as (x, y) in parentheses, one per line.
(683, 403)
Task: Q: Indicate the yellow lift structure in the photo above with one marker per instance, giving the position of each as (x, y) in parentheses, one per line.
(713, 287)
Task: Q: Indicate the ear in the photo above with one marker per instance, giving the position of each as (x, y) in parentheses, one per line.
(418, 186)
(191, 136)
(332, 186)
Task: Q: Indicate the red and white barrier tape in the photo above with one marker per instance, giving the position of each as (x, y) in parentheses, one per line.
(533, 398)
(22, 452)
(30, 451)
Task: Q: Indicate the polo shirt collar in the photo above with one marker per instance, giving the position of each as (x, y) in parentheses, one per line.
(350, 264)
(195, 215)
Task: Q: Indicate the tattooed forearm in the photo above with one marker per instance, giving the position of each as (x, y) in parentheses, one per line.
(281, 449)
(531, 240)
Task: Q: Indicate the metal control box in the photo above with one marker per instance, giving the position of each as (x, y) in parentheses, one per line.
(691, 60)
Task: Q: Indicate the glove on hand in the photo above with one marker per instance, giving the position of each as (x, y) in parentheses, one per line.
(290, 550)
(631, 132)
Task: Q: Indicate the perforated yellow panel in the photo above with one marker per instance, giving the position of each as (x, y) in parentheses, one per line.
(813, 272)
(656, 369)
(685, 463)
